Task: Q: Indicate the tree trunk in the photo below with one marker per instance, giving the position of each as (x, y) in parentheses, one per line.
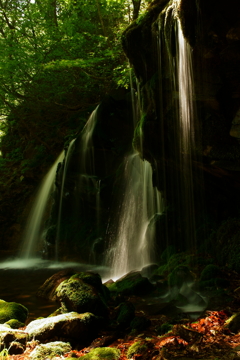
(136, 8)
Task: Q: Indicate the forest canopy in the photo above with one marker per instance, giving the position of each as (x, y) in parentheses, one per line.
(58, 58)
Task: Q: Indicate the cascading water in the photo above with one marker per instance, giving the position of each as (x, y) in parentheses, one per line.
(177, 108)
(33, 231)
(135, 230)
(79, 185)
(62, 194)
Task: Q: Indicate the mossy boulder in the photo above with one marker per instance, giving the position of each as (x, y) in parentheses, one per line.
(104, 353)
(12, 310)
(76, 295)
(81, 292)
(131, 284)
(50, 350)
(81, 327)
(136, 348)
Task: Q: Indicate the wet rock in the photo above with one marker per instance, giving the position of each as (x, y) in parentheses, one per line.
(77, 295)
(132, 284)
(47, 290)
(72, 325)
(12, 310)
(81, 292)
(50, 350)
(8, 335)
(148, 270)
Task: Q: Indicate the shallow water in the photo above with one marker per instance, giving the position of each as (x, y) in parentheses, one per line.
(20, 279)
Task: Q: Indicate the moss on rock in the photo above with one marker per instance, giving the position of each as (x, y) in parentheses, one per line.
(131, 284)
(104, 353)
(15, 324)
(50, 350)
(12, 310)
(136, 348)
(81, 297)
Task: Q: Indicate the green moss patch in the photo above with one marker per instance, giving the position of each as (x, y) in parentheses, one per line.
(136, 348)
(131, 284)
(105, 353)
(12, 310)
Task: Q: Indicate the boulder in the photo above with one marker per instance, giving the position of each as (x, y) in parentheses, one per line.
(47, 290)
(50, 350)
(132, 284)
(12, 310)
(82, 327)
(9, 336)
(81, 292)
(76, 295)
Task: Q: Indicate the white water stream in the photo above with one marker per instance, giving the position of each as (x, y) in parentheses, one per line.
(33, 231)
(135, 232)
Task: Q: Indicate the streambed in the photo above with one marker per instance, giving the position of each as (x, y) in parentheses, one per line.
(20, 280)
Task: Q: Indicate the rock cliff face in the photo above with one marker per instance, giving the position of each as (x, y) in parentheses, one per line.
(212, 30)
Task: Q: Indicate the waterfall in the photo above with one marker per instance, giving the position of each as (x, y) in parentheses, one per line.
(78, 182)
(134, 246)
(177, 114)
(187, 117)
(62, 194)
(33, 231)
